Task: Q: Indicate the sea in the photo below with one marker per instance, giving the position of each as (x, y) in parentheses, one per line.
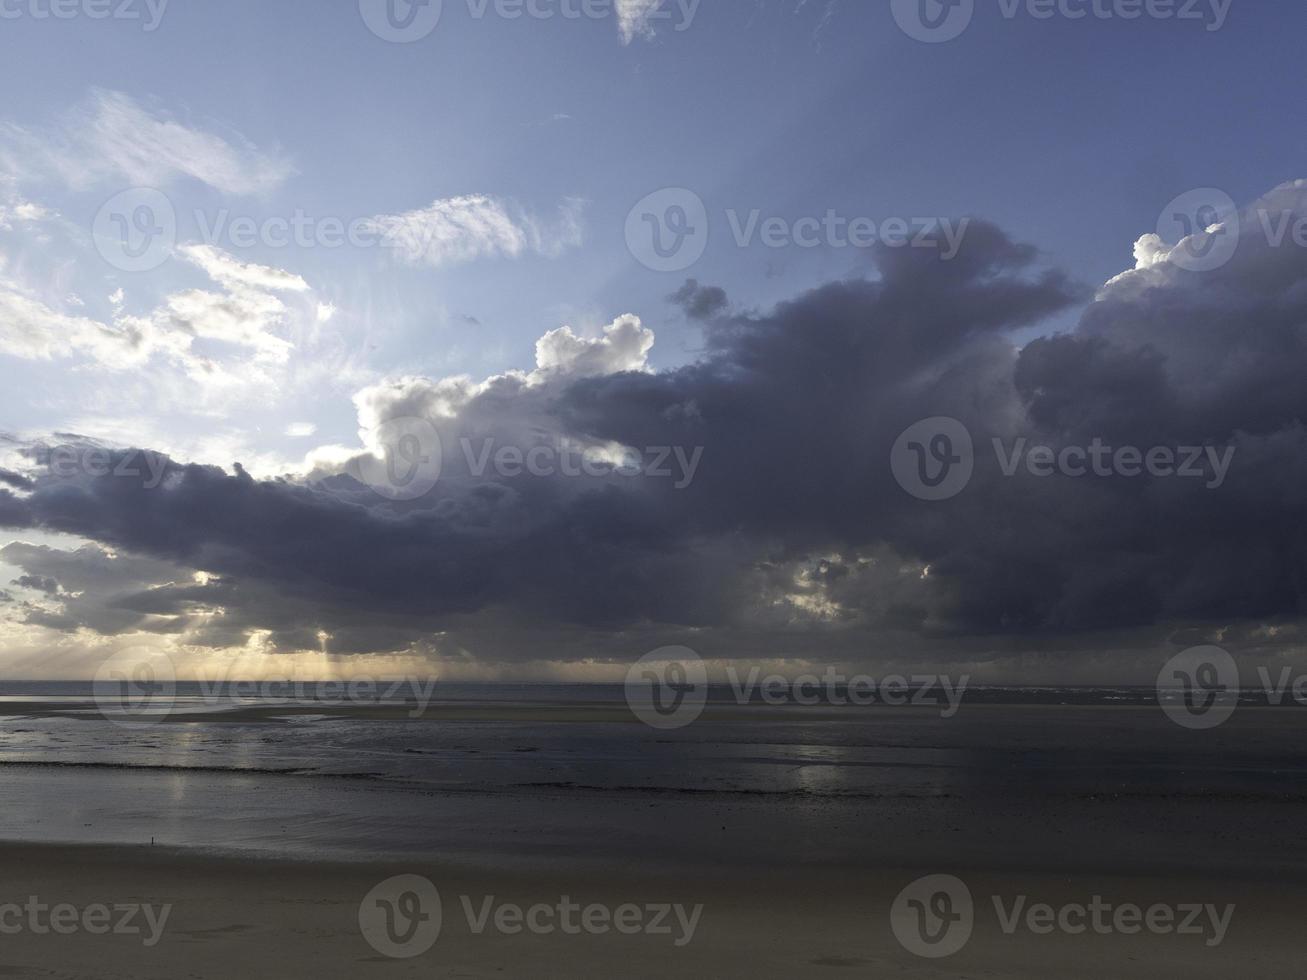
(1070, 778)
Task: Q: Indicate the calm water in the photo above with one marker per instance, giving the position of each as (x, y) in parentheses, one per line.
(1038, 780)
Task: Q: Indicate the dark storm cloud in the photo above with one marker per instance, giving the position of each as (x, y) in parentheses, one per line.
(793, 524)
(787, 409)
(13, 511)
(15, 480)
(700, 302)
(37, 582)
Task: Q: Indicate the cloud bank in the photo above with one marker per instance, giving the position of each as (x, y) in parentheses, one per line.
(793, 535)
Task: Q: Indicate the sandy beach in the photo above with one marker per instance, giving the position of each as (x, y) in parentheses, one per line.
(235, 918)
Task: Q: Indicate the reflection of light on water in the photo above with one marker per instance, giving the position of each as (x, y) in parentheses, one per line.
(822, 780)
(21, 738)
(179, 747)
(177, 788)
(829, 777)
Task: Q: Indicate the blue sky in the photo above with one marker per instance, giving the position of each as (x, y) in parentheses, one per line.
(495, 162)
(1070, 134)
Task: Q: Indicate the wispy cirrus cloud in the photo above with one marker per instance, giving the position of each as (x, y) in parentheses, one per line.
(230, 271)
(32, 330)
(21, 212)
(476, 226)
(113, 137)
(246, 313)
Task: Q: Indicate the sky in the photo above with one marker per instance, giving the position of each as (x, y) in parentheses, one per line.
(523, 339)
